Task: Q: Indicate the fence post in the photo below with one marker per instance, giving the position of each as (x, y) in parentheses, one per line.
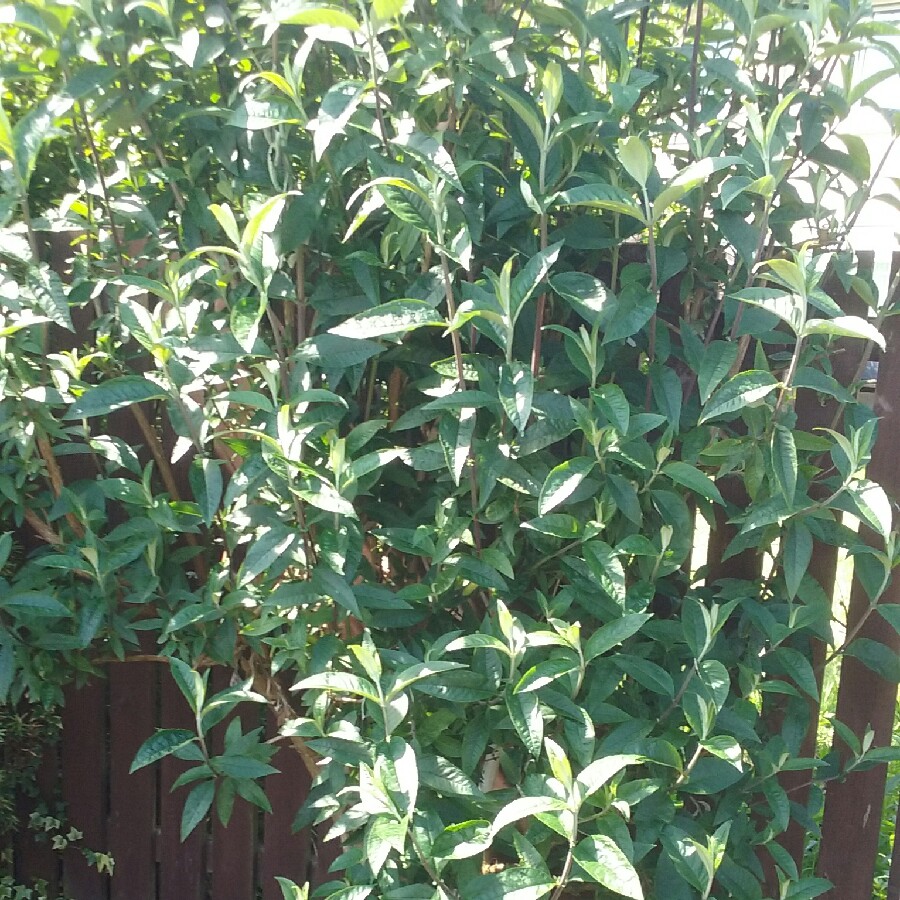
(850, 828)
(813, 413)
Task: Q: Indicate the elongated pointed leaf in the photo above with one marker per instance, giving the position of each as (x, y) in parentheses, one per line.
(789, 308)
(613, 633)
(159, 745)
(339, 683)
(114, 394)
(742, 390)
(522, 808)
(635, 156)
(601, 771)
(692, 478)
(601, 196)
(394, 317)
(606, 864)
(562, 482)
(846, 326)
(688, 179)
(197, 805)
(784, 461)
(516, 389)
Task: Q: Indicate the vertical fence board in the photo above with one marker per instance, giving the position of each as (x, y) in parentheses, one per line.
(233, 848)
(132, 820)
(850, 828)
(32, 859)
(84, 786)
(182, 866)
(283, 852)
(813, 413)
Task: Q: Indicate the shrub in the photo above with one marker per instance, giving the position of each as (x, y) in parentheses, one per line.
(403, 346)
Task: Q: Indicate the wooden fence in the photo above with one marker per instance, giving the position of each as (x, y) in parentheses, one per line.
(136, 818)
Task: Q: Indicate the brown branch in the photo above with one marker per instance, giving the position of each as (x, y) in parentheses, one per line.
(56, 480)
(43, 530)
(156, 448)
(256, 668)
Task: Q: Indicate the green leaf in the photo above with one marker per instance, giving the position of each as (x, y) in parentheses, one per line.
(269, 547)
(525, 713)
(606, 864)
(585, 294)
(872, 505)
(164, 742)
(463, 840)
(330, 584)
(291, 891)
(796, 555)
(523, 107)
(7, 146)
(476, 641)
(332, 351)
(523, 808)
(738, 393)
(34, 603)
(32, 130)
(205, 476)
(790, 662)
(429, 151)
(338, 106)
(117, 393)
(612, 402)
(197, 805)
(602, 771)
(50, 294)
(533, 273)
(339, 683)
(305, 13)
(614, 633)
(518, 883)
(688, 179)
(790, 308)
(636, 158)
(394, 317)
(419, 672)
(360, 892)
(878, 657)
(648, 674)
(845, 326)
(324, 496)
(387, 9)
(516, 390)
(693, 479)
(544, 673)
(784, 462)
(716, 363)
(562, 481)
(225, 218)
(601, 196)
(631, 311)
(190, 683)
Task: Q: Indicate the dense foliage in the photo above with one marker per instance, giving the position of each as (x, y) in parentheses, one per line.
(388, 355)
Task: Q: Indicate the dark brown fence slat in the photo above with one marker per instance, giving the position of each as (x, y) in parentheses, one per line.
(84, 786)
(813, 413)
(32, 859)
(182, 866)
(850, 828)
(284, 853)
(132, 820)
(233, 848)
